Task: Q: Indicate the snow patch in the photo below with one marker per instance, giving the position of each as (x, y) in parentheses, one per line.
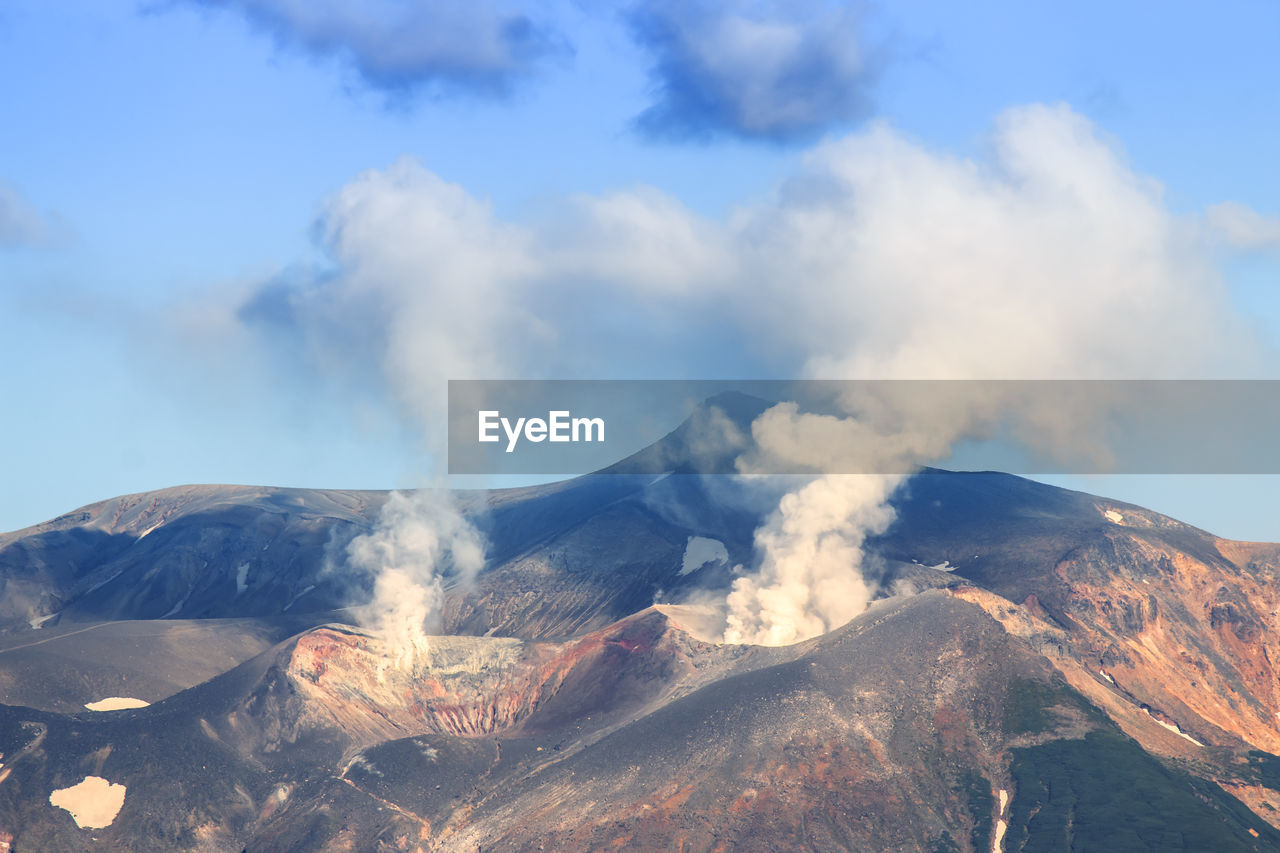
(699, 551)
(1172, 727)
(362, 762)
(175, 608)
(1002, 825)
(945, 566)
(116, 703)
(242, 578)
(100, 584)
(1114, 517)
(1103, 673)
(38, 622)
(94, 803)
(296, 597)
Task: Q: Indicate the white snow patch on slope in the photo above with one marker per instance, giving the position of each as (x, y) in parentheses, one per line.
(1114, 517)
(1104, 674)
(39, 621)
(175, 608)
(1002, 825)
(116, 703)
(100, 584)
(699, 551)
(94, 803)
(242, 578)
(296, 597)
(1171, 727)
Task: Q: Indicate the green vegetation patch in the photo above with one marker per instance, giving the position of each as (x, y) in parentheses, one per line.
(1104, 793)
(1029, 704)
(1266, 767)
(977, 792)
(946, 844)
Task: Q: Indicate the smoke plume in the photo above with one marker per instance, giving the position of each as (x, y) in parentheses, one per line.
(1045, 256)
(810, 580)
(420, 541)
(423, 273)
(1052, 260)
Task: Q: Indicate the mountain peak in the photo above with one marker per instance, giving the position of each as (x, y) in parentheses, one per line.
(708, 441)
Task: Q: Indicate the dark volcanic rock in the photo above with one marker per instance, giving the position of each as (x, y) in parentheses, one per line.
(564, 712)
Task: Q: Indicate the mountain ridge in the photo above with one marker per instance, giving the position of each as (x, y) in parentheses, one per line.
(1028, 641)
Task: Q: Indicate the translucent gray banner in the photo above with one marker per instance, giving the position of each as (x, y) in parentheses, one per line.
(570, 427)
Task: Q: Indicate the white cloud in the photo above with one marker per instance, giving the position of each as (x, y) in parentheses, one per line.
(1050, 258)
(641, 240)
(1047, 258)
(426, 284)
(1241, 227)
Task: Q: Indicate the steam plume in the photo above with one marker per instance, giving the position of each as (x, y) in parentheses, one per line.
(419, 539)
(1035, 265)
(1047, 257)
(810, 580)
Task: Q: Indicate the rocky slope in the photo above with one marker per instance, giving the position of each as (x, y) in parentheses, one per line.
(1077, 674)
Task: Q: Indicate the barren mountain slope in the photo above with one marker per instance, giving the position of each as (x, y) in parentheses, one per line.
(1032, 633)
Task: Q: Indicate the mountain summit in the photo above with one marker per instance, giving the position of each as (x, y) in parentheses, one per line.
(1041, 670)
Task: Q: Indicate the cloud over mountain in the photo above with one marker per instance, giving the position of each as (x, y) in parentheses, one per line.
(1049, 257)
(425, 285)
(482, 47)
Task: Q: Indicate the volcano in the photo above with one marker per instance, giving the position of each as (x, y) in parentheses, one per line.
(1043, 670)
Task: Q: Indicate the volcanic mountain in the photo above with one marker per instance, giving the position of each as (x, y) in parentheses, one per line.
(1044, 670)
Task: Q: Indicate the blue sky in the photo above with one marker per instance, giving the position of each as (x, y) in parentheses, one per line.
(203, 207)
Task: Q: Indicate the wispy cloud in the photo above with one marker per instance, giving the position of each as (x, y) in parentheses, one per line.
(425, 285)
(776, 71)
(21, 224)
(397, 46)
(1241, 227)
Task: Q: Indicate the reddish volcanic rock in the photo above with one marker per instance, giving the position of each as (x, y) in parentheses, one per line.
(473, 686)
